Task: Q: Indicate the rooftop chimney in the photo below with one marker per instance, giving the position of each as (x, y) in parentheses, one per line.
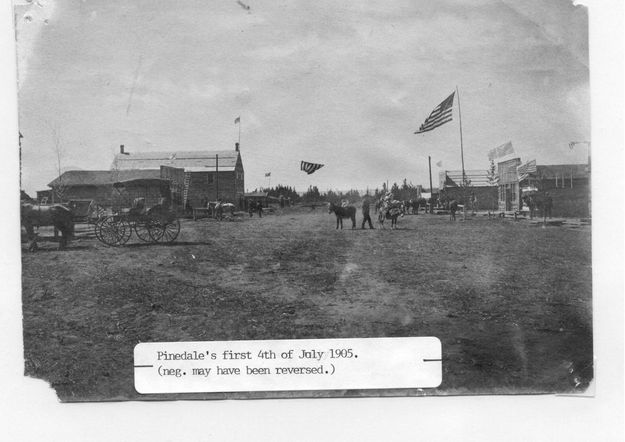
(236, 146)
(121, 150)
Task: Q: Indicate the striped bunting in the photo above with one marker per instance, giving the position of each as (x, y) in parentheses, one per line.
(439, 116)
(310, 167)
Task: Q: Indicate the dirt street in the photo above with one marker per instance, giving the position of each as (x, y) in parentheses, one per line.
(510, 302)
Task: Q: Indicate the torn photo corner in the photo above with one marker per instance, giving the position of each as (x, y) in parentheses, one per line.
(249, 199)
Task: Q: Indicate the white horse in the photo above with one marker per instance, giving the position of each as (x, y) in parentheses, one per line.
(224, 208)
(391, 210)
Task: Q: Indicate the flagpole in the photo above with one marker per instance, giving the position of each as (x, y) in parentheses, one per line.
(461, 144)
(464, 176)
(239, 130)
(430, 169)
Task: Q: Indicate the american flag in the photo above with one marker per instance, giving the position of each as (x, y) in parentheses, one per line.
(310, 167)
(527, 168)
(501, 151)
(439, 116)
(268, 174)
(237, 120)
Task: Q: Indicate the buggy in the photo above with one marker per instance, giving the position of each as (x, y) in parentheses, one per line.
(158, 223)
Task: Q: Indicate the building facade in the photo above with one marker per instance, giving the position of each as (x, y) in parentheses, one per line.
(479, 188)
(568, 186)
(509, 198)
(208, 175)
(114, 189)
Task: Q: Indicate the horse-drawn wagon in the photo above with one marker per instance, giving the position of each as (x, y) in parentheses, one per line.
(158, 223)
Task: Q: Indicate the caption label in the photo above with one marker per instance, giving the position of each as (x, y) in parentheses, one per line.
(282, 365)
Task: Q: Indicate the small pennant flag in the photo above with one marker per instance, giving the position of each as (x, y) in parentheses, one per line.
(439, 164)
(310, 167)
(268, 174)
(439, 116)
(237, 120)
(449, 182)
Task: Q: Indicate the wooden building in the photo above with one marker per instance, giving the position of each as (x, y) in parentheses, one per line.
(568, 185)
(114, 189)
(478, 186)
(208, 175)
(256, 197)
(509, 197)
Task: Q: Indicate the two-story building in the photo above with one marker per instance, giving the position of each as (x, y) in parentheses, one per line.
(208, 175)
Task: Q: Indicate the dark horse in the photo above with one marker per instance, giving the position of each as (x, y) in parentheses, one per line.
(453, 208)
(343, 212)
(538, 203)
(56, 215)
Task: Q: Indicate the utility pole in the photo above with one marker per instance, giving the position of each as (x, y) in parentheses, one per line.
(217, 177)
(430, 168)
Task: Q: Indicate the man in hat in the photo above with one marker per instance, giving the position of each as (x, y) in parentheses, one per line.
(365, 212)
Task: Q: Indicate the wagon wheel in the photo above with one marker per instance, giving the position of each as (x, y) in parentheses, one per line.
(125, 230)
(142, 229)
(164, 231)
(114, 231)
(97, 227)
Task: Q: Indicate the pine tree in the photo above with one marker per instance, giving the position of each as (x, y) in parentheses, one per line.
(492, 174)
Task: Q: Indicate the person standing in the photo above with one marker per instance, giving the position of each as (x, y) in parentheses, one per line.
(548, 203)
(251, 207)
(473, 203)
(365, 212)
(531, 203)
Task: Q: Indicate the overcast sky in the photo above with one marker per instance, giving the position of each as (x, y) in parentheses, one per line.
(341, 83)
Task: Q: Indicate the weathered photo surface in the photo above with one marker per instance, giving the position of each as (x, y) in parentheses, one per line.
(254, 170)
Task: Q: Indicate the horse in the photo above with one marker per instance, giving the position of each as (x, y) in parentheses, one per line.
(378, 205)
(55, 215)
(392, 212)
(538, 203)
(453, 208)
(343, 212)
(221, 208)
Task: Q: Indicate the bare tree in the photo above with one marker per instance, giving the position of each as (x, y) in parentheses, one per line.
(58, 147)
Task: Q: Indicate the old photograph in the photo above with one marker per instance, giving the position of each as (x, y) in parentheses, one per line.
(254, 170)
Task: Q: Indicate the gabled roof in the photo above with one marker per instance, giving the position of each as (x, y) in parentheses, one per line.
(103, 177)
(191, 161)
(563, 170)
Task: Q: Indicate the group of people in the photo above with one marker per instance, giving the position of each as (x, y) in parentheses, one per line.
(537, 201)
(255, 206)
(387, 204)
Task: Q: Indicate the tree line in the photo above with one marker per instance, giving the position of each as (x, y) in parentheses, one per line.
(404, 191)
